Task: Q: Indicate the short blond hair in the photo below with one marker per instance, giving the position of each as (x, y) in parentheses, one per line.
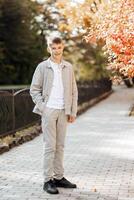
(54, 40)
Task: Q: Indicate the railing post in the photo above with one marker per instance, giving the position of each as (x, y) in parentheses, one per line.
(13, 109)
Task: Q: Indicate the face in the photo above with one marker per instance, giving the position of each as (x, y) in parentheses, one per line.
(56, 50)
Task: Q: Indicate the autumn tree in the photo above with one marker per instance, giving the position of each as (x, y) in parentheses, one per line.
(111, 23)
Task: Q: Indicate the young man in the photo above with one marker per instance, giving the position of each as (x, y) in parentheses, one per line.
(54, 91)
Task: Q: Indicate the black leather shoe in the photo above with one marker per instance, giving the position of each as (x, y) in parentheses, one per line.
(50, 187)
(64, 183)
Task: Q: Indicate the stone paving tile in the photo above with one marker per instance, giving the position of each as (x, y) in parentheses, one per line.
(99, 157)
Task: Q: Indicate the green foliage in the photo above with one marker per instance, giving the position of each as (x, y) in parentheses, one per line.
(95, 62)
(89, 61)
(20, 46)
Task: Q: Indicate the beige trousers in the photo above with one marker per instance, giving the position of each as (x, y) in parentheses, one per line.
(54, 124)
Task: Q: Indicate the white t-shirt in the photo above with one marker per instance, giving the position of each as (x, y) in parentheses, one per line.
(56, 98)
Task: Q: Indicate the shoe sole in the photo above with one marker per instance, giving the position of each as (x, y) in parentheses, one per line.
(50, 192)
(66, 186)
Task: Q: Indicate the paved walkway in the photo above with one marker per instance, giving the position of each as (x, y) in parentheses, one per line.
(99, 157)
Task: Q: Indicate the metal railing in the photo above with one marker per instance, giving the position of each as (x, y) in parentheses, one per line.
(92, 89)
(15, 110)
(16, 105)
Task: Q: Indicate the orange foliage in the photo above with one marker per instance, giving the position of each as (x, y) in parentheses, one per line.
(111, 22)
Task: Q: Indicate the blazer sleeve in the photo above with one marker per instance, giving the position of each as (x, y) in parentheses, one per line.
(74, 95)
(36, 86)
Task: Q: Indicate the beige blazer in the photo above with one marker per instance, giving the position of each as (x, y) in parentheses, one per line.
(42, 83)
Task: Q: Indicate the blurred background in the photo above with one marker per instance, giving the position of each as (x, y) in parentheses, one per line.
(24, 28)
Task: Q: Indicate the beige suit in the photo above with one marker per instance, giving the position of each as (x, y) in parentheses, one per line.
(54, 121)
(42, 83)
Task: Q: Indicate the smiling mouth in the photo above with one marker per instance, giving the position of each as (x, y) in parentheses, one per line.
(57, 53)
